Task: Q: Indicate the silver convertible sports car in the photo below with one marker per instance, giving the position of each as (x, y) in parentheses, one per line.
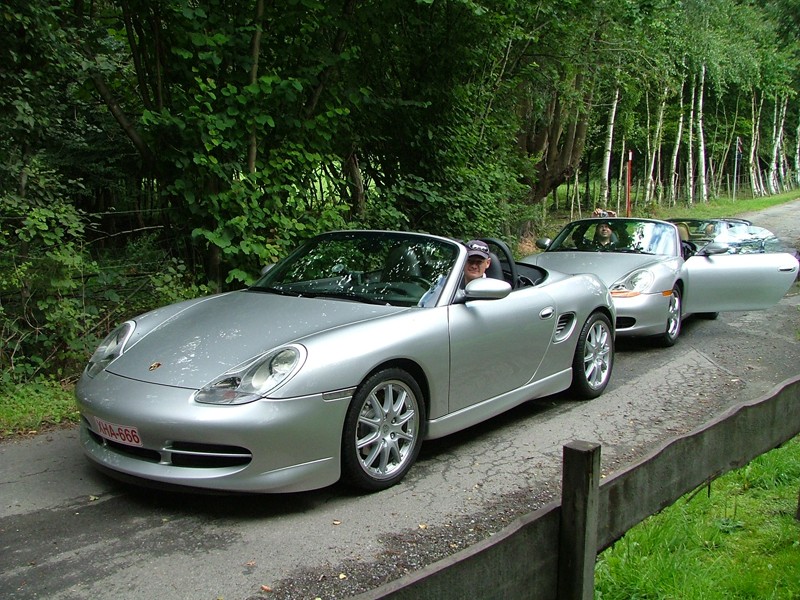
(338, 363)
(656, 279)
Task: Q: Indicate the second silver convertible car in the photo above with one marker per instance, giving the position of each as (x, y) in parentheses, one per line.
(656, 280)
(339, 361)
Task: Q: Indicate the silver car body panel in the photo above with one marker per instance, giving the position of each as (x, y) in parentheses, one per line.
(473, 359)
(725, 282)
(212, 337)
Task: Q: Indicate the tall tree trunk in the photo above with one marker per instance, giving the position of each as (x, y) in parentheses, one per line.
(752, 161)
(621, 179)
(559, 137)
(690, 149)
(783, 161)
(606, 168)
(255, 52)
(655, 149)
(701, 141)
(336, 48)
(729, 144)
(674, 172)
(797, 155)
(778, 119)
(497, 81)
(355, 183)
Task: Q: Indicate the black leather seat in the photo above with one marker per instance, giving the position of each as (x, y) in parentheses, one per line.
(402, 264)
(495, 269)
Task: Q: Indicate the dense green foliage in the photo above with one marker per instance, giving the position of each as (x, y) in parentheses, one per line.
(155, 150)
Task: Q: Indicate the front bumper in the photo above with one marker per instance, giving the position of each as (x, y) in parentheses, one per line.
(642, 315)
(265, 446)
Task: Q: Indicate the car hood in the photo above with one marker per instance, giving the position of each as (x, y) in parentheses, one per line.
(198, 344)
(608, 266)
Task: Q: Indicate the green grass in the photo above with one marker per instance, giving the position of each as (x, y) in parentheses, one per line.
(726, 207)
(737, 539)
(31, 407)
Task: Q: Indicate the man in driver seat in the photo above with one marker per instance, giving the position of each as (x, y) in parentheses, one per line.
(478, 260)
(603, 236)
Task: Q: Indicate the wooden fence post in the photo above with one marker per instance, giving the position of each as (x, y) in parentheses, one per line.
(577, 543)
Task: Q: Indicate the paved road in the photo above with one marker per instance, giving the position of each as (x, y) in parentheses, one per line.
(67, 532)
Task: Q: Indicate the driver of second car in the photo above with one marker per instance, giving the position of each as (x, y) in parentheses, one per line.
(478, 260)
(603, 235)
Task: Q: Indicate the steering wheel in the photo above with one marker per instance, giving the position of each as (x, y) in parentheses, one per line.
(421, 281)
(396, 289)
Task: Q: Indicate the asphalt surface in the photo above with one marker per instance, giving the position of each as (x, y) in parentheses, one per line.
(68, 532)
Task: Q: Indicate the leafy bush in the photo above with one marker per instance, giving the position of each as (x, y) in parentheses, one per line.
(43, 265)
(27, 408)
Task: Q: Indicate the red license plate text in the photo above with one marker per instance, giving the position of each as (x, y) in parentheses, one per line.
(123, 434)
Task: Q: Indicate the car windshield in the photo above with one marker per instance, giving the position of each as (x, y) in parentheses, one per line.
(365, 266)
(639, 236)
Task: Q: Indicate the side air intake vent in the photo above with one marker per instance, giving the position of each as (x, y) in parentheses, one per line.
(564, 327)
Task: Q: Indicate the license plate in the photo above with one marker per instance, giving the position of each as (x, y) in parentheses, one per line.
(123, 434)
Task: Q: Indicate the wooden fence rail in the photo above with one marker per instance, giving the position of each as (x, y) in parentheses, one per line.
(549, 554)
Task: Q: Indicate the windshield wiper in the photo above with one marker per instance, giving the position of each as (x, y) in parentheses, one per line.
(270, 290)
(346, 296)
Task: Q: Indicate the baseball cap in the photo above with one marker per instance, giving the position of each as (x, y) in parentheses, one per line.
(477, 248)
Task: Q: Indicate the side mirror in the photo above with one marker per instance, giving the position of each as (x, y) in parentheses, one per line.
(267, 268)
(543, 243)
(714, 248)
(487, 288)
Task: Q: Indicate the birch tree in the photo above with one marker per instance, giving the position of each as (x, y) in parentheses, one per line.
(674, 166)
(797, 154)
(756, 185)
(605, 171)
(654, 147)
(774, 179)
(689, 149)
(701, 140)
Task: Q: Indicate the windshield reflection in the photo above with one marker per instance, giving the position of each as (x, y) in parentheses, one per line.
(617, 235)
(398, 269)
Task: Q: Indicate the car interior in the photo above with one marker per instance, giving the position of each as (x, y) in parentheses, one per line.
(503, 266)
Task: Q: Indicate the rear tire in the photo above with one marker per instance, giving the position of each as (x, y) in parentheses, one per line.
(594, 358)
(383, 430)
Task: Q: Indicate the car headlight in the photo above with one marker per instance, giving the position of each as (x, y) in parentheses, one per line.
(110, 348)
(255, 380)
(634, 284)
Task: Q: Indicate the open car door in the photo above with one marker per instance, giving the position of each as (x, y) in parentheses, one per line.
(723, 282)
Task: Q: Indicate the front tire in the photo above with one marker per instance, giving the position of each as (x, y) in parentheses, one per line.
(383, 430)
(674, 320)
(594, 358)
